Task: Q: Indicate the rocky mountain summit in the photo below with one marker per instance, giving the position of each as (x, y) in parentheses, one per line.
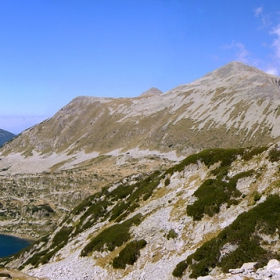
(151, 91)
(5, 136)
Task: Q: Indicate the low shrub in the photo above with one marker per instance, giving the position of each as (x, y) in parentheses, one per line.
(95, 212)
(129, 254)
(171, 234)
(274, 155)
(249, 153)
(62, 236)
(60, 239)
(212, 156)
(35, 260)
(121, 192)
(111, 237)
(129, 196)
(167, 181)
(257, 196)
(214, 192)
(209, 157)
(179, 269)
(6, 275)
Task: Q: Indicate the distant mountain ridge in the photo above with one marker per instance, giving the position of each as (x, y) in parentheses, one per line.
(5, 136)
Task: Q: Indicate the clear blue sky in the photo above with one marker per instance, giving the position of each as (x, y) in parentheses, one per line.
(52, 51)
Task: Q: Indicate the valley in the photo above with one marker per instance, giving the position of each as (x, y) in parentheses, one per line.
(31, 204)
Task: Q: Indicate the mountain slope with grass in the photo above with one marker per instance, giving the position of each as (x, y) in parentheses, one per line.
(211, 212)
(233, 106)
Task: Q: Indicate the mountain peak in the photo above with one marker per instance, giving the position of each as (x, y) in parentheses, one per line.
(236, 68)
(151, 91)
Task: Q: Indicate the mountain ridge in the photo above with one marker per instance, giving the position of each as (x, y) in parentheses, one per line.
(235, 105)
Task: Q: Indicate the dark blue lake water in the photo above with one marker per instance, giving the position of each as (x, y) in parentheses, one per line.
(10, 245)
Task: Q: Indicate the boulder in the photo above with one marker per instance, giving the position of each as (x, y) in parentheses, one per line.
(272, 264)
(251, 266)
(208, 277)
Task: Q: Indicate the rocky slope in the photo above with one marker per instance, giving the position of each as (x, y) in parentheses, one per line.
(213, 212)
(5, 136)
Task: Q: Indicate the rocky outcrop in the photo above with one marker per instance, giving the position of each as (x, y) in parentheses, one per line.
(249, 271)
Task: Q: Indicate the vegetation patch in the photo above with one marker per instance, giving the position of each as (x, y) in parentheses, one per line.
(129, 254)
(129, 196)
(212, 156)
(167, 181)
(180, 268)
(274, 155)
(208, 157)
(58, 242)
(95, 212)
(5, 275)
(257, 196)
(88, 202)
(111, 237)
(243, 233)
(125, 199)
(214, 192)
(171, 234)
(249, 153)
